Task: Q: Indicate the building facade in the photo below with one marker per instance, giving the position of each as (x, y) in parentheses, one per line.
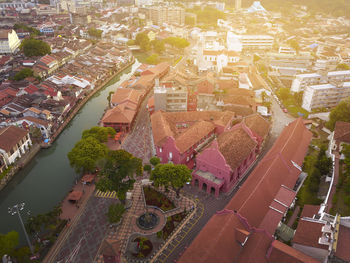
(14, 142)
(165, 14)
(9, 41)
(170, 97)
(325, 95)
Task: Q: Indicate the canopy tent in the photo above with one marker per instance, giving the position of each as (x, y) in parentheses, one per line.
(88, 178)
(75, 196)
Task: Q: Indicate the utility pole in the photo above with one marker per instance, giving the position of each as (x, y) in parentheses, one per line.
(16, 210)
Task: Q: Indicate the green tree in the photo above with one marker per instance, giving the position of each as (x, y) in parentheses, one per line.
(99, 133)
(158, 46)
(118, 173)
(109, 97)
(115, 213)
(190, 20)
(34, 47)
(147, 168)
(154, 160)
(33, 31)
(340, 113)
(143, 41)
(24, 73)
(152, 59)
(343, 66)
(293, 43)
(175, 176)
(177, 42)
(8, 243)
(86, 153)
(130, 42)
(298, 97)
(93, 32)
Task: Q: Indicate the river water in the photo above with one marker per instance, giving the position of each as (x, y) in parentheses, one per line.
(45, 181)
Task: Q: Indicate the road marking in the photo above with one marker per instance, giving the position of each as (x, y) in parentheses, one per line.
(107, 194)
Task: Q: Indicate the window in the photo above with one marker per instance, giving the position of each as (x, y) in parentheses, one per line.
(187, 159)
(170, 155)
(160, 149)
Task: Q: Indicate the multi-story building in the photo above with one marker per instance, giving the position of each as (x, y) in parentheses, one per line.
(303, 80)
(9, 41)
(170, 97)
(256, 41)
(14, 142)
(166, 14)
(325, 95)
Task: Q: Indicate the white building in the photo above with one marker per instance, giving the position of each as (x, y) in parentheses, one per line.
(9, 41)
(168, 97)
(325, 95)
(14, 142)
(256, 41)
(303, 80)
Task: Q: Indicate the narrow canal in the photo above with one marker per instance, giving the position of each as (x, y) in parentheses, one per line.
(45, 181)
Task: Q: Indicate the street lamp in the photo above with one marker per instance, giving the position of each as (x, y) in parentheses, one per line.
(16, 210)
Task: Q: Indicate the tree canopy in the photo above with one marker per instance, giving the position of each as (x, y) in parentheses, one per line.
(118, 172)
(343, 66)
(142, 40)
(24, 73)
(177, 42)
(170, 175)
(8, 243)
(190, 20)
(86, 153)
(99, 133)
(34, 47)
(115, 213)
(158, 46)
(154, 160)
(93, 32)
(152, 59)
(339, 113)
(33, 31)
(208, 15)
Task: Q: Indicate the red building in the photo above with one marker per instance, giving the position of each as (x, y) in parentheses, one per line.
(179, 136)
(244, 230)
(220, 166)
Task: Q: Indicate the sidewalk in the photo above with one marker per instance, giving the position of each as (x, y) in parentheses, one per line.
(72, 213)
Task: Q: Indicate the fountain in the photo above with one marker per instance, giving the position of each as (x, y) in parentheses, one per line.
(147, 221)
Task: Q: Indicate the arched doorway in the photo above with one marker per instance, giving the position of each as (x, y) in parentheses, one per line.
(212, 190)
(204, 187)
(196, 183)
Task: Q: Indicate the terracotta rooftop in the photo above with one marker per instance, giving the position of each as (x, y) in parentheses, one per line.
(342, 131)
(342, 250)
(36, 120)
(251, 204)
(257, 124)
(122, 95)
(235, 146)
(193, 135)
(283, 253)
(118, 115)
(10, 136)
(205, 87)
(166, 123)
(310, 211)
(308, 234)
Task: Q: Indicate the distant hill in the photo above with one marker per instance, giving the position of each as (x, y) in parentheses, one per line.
(334, 7)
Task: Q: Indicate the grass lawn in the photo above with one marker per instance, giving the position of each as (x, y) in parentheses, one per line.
(339, 199)
(142, 56)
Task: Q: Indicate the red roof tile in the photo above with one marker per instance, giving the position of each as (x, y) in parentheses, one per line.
(342, 131)
(308, 234)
